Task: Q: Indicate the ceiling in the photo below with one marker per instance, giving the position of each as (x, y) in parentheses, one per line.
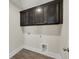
(17, 3)
(25, 4)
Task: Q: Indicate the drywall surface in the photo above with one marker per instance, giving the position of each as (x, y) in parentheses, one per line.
(64, 42)
(15, 32)
(49, 35)
(36, 41)
(44, 29)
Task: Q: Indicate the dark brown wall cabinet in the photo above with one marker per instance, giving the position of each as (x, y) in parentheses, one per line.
(46, 14)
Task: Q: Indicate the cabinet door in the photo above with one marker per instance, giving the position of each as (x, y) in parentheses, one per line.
(23, 18)
(61, 11)
(51, 14)
(39, 15)
(31, 16)
(45, 14)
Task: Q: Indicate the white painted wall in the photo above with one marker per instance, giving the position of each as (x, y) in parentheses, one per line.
(44, 29)
(15, 32)
(50, 35)
(34, 41)
(64, 42)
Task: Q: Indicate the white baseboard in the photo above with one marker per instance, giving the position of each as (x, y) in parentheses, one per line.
(15, 51)
(50, 54)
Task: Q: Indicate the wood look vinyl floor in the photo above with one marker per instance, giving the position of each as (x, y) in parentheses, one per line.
(26, 54)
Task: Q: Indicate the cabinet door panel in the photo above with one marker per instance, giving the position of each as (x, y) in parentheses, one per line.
(24, 18)
(61, 11)
(45, 14)
(39, 19)
(31, 17)
(51, 14)
(21, 19)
